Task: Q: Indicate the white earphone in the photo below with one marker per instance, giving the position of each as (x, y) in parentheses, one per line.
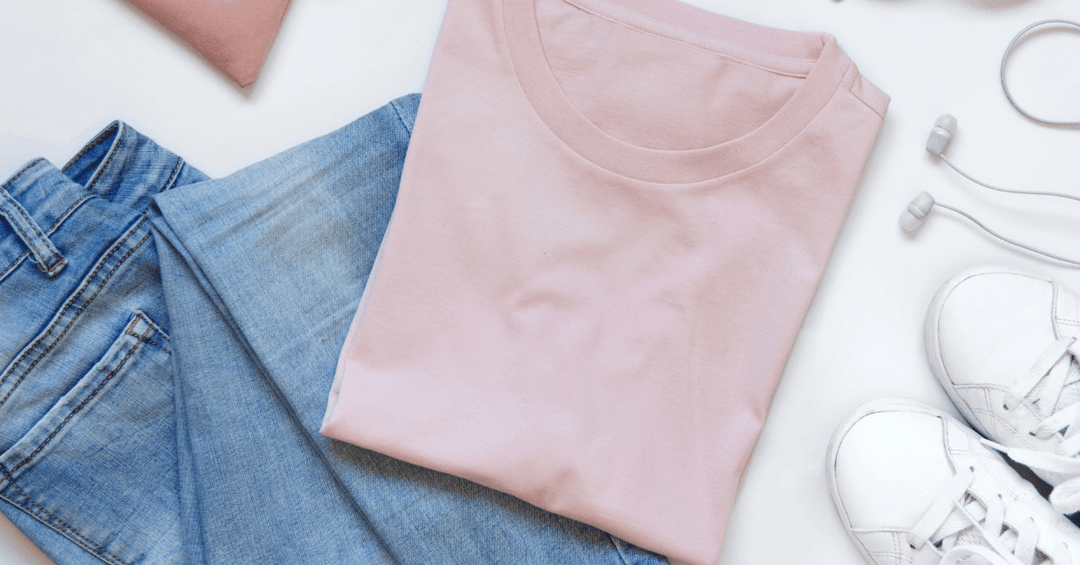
(1066, 24)
(918, 209)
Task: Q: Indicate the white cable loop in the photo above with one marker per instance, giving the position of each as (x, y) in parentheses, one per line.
(1005, 59)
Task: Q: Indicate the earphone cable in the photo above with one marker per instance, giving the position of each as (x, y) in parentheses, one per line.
(1008, 190)
(1007, 240)
(1005, 59)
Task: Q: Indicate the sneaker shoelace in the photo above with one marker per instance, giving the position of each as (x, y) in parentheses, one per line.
(1055, 372)
(971, 530)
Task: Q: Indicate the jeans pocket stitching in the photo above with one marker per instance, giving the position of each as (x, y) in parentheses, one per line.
(138, 317)
(25, 501)
(152, 342)
(153, 328)
(71, 301)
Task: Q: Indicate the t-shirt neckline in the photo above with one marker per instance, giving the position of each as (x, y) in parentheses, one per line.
(815, 56)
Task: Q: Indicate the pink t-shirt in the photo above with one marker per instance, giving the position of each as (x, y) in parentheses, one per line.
(612, 219)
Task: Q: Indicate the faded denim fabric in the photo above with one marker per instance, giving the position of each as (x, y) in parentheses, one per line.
(168, 343)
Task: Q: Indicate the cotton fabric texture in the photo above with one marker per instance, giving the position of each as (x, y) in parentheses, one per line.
(233, 35)
(611, 222)
(167, 345)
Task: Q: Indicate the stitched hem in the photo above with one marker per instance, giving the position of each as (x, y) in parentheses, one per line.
(67, 530)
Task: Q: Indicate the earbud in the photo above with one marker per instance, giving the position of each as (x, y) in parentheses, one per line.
(915, 214)
(911, 219)
(941, 135)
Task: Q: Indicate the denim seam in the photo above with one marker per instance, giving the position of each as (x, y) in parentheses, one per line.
(175, 175)
(52, 229)
(14, 265)
(397, 112)
(104, 133)
(105, 165)
(160, 331)
(143, 338)
(72, 321)
(79, 539)
(43, 266)
(56, 268)
(25, 168)
(152, 342)
(68, 306)
(157, 329)
(101, 385)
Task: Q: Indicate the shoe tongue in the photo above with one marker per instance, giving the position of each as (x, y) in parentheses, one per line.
(972, 535)
(1008, 539)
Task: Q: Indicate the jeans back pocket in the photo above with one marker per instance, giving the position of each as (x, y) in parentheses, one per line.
(100, 466)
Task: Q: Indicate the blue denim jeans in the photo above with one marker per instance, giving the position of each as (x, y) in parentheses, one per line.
(168, 342)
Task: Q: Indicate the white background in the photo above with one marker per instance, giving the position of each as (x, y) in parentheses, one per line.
(67, 68)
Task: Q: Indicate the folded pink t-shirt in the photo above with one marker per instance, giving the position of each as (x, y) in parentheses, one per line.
(233, 35)
(612, 218)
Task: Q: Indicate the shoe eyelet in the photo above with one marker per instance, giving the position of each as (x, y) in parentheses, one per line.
(1032, 434)
(1005, 407)
(912, 546)
(971, 468)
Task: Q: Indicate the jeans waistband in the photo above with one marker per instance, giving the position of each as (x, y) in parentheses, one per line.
(126, 168)
(120, 165)
(34, 202)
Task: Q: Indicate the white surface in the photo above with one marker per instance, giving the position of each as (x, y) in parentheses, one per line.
(68, 68)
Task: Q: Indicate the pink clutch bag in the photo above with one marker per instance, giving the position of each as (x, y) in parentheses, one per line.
(233, 35)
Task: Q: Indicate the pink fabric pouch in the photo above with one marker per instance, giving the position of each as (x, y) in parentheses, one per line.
(234, 35)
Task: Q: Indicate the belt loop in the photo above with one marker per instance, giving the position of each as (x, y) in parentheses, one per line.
(44, 253)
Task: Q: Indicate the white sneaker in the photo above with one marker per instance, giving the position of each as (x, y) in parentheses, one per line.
(916, 487)
(1004, 345)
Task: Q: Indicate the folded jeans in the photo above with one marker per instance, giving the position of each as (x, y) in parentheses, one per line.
(168, 343)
